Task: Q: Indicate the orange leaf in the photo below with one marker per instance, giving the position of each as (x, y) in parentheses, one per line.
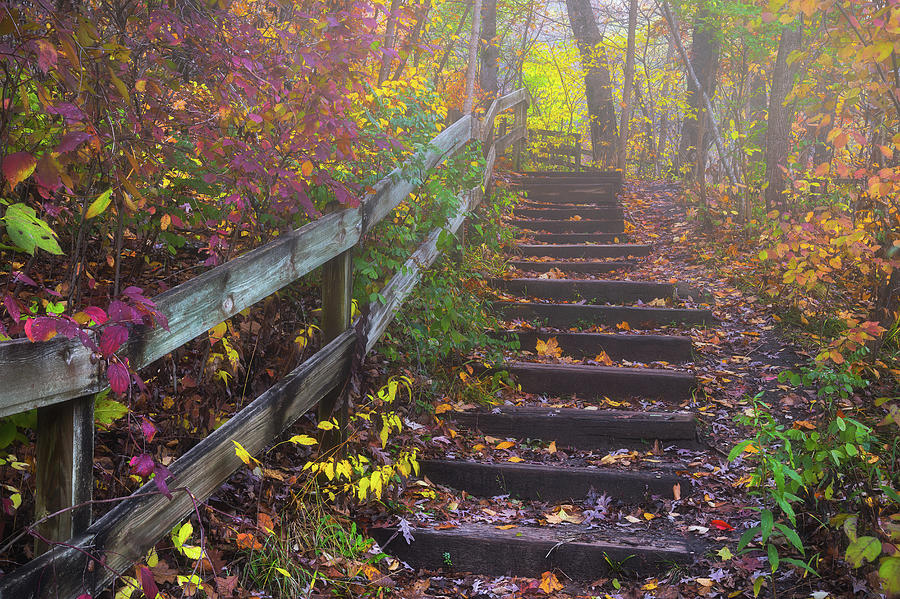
(505, 445)
(246, 540)
(306, 168)
(444, 407)
(506, 526)
(550, 583)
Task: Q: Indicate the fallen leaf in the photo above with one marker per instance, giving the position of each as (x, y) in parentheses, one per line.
(506, 526)
(550, 583)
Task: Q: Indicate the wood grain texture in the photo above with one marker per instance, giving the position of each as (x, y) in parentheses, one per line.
(551, 482)
(635, 348)
(127, 531)
(529, 551)
(584, 429)
(568, 315)
(585, 267)
(616, 226)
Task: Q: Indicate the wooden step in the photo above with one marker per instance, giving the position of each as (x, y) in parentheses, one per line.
(598, 291)
(572, 201)
(588, 175)
(572, 226)
(575, 250)
(635, 348)
(564, 316)
(614, 382)
(584, 429)
(587, 212)
(586, 267)
(553, 483)
(607, 198)
(571, 551)
(572, 186)
(578, 238)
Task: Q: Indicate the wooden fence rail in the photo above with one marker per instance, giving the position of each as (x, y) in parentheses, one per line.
(59, 377)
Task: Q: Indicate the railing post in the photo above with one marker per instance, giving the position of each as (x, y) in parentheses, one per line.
(337, 299)
(521, 121)
(577, 148)
(64, 469)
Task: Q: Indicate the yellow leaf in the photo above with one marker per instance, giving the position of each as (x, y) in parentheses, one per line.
(326, 425)
(650, 586)
(505, 445)
(623, 326)
(243, 454)
(548, 348)
(165, 221)
(99, 205)
(302, 440)
(444, 407)
(506, 526)
(515, 459)
(552, 447)
(550, 583)
(217, 332)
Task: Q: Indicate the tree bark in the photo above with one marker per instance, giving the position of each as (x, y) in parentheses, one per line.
(778, 133)
(473, 52)
(413, 41)
(490, 50)
(390, 31)
(705, 62)
(664, 118)
(597, 81)
(627, 100)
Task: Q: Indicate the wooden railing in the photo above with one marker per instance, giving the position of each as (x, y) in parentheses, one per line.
(553, 150)
(59, 377)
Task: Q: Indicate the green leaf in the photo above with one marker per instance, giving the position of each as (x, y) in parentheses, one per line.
(99, 205)
(767, 522)
(863, 549)
(748, 536)
(791, 535)
(772, 552)
(107, 411)
(889, 572)
(850, 527)
(7, 432)
(29, 232)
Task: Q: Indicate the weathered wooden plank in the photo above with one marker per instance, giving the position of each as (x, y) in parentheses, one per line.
(597, 290)
(500, 105)
(40, 374)
(577, 250)
(64, 469)
(584, 429)
(570, 226)
(402, 283)
(395, 188)
(586, 212)
(551, 482)
(579, 238)
(529, 551)
(635, 348)
(583, 267)
(128, 531)
(337, 298)
(595, 382)
(569, 315)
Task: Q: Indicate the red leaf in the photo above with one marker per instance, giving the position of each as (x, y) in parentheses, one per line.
(71, 141)
(142, 465)
(148, 585)
(41, 328)
(149, 429)
(118, 376)
(46, 55)
(721, 525)
(112, 339)
(96, 314)
(12, 306)
(18, 167)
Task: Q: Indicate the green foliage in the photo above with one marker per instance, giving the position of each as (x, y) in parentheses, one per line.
(28, 232)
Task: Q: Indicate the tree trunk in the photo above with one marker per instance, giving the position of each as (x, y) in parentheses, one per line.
(390, 31)
(778, 134)
(629, 83)
(412, 42)
(705, 62)
(449, 48)
(490, 50)
(473, 56)
(597, 82)
(664, 118)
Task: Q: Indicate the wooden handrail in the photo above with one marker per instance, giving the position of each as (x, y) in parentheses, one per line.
(88, 561)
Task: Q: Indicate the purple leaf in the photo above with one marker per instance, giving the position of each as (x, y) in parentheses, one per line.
(46, 55)
(12, 306)
(142, 465)
(148, 585)
(96, 314)
(41, 328)
(162, 473)
(112, 339)
(118, 376)
(71, 141)
(20, 277)
(148, 429)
